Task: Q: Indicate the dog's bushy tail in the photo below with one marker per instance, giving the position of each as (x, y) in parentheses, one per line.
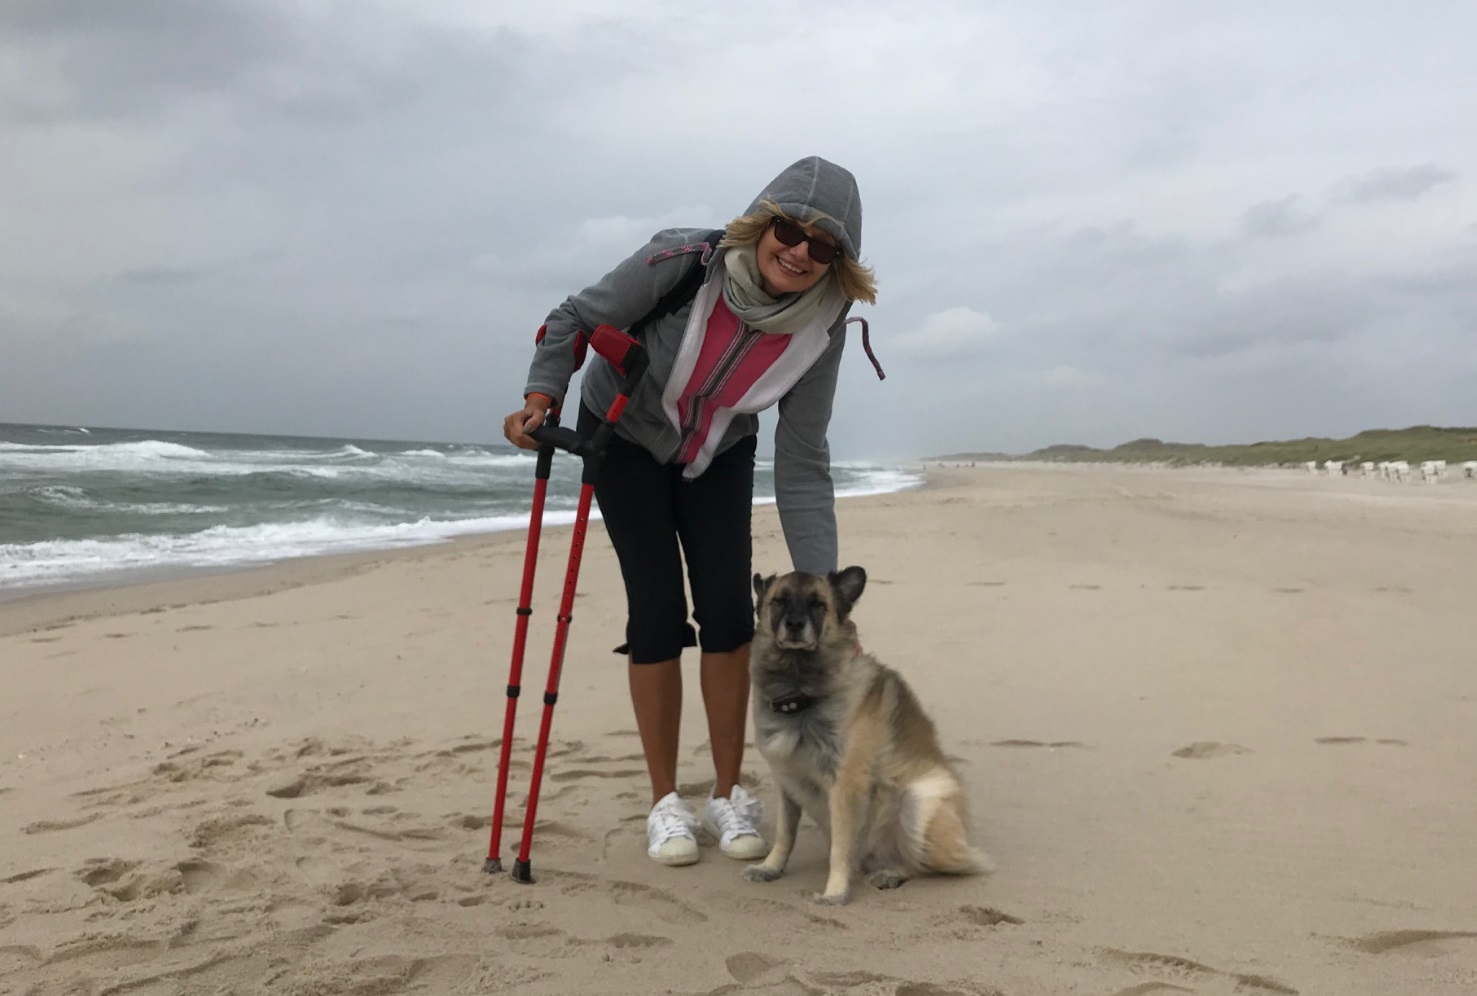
(946, 846)
(936, 836)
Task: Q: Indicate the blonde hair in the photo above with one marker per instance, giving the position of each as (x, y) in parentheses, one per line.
(856, 280)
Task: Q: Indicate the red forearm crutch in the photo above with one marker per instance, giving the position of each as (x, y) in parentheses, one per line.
(628, 356)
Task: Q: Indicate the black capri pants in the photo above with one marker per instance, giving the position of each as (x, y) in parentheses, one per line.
(648, 510)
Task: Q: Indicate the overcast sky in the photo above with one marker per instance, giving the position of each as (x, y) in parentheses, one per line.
(1209, 222)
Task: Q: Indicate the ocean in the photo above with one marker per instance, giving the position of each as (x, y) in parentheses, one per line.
(87, 506)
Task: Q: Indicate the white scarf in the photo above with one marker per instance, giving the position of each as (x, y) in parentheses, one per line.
(743, 291)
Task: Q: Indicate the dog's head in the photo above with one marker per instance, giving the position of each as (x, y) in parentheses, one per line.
(800, 611)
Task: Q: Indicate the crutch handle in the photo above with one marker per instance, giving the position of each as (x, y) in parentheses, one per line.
(560, 437)
(627, 355)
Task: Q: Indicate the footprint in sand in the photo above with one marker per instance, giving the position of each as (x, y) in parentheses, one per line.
(768, 909)
(25, 876)
(208, 766)
(228, 831)
(409, 836)
(298, 821)
(987, 916)
(537, 940)
(625, 941)
(1185, 970)
(211, 876)
(320, 778)
(658, 902)
(575, 774)
(1085, 587)
(528, 931)
(193, 629)
(558, 828)
(105, 871)
(1287, 591)
(413, 882)
(446, 765)
(318, 871)
(746, 966)
(753, 970)
(1037, 743)
(1401, 940)
(1209, 748)
(53, 826)
(128, 881)
(873, 982)
(1185, 587)
(1340, 741)
(472, 745)
(566, 748)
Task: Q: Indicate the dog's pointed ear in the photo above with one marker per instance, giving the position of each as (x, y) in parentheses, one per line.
(848, 585)
(761, 585)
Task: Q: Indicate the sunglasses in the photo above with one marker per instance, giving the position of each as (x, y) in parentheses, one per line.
(816, 248)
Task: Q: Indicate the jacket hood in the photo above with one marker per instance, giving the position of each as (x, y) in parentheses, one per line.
(811, 188)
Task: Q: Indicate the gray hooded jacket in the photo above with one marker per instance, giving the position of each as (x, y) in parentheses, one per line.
(803, 489)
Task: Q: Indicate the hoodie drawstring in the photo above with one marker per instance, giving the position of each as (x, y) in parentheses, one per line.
(867, 345)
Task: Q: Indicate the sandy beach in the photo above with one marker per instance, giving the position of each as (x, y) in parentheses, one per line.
(1219, 729)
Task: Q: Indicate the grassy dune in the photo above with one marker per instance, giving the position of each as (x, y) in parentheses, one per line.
(1417, 443)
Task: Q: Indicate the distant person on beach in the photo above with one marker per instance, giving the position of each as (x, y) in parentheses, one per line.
(766, 327)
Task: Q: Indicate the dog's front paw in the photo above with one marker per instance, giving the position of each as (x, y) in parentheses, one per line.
(830, 898)
(762, 873)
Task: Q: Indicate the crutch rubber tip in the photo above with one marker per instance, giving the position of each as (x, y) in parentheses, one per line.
(522, 872)
(492, 866)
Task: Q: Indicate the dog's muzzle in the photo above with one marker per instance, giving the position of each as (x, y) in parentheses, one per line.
(795, 634)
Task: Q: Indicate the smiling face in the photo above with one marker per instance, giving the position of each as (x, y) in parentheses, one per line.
(789, 269)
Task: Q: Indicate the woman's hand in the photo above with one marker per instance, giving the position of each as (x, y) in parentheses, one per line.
(518, 424)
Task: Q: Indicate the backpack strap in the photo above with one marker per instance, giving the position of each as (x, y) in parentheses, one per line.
(686, 288)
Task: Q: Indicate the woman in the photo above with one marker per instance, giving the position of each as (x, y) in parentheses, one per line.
(766, 328)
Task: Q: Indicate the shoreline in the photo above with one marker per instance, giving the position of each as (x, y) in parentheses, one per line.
(31, 611)
(165, 573)
(28, 609)
(35, 609)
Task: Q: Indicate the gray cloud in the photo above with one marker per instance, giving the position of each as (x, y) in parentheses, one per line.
(1283, 216)
(351, 218)
(96, 59)
(1406, 184)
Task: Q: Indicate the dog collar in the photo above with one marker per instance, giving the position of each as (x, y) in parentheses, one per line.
(792, 704)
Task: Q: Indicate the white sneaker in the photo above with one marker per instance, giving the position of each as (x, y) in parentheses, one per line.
(669, 836)
(734, 821)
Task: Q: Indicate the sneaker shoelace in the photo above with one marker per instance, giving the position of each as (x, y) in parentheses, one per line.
(731, 819)
(667, 822)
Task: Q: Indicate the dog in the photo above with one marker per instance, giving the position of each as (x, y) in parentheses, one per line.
(848, 744)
